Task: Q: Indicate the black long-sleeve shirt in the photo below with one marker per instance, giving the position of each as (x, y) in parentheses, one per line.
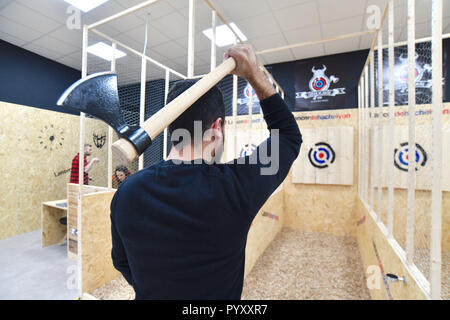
(180, 231)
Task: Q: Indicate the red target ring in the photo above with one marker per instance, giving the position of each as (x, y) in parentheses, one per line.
(319, 83)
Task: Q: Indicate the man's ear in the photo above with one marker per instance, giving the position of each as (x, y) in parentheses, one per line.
(217, 124)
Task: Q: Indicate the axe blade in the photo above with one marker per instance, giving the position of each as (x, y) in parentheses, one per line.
(96, 95)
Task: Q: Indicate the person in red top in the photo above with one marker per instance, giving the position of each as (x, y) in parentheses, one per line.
(87, 165)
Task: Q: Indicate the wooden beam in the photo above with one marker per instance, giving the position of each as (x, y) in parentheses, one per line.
(436, 191)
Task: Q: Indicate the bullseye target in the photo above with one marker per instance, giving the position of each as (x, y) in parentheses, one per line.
(321, 155)
(401, 157)
(247, 150)
(319, 83)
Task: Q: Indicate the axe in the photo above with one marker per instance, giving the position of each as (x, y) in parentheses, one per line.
(97, 95)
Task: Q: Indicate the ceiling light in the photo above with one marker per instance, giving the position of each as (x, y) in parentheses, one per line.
(224, 36)
(86, 5)
(104, 51)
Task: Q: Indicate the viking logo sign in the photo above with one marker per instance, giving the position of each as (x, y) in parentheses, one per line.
(321, 155)
(99, 141)
(247, 150)
(419, 72)
(401, 158)
(248, 94)
(320, 86)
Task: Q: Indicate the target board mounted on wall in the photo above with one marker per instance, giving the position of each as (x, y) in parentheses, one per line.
(399, 157)
(326, 156)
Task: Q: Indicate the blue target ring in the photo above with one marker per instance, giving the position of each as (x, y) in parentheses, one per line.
(319, 83)
(321, 155)
(401, 160)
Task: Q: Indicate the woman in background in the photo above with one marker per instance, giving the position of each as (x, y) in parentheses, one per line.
(120, 175)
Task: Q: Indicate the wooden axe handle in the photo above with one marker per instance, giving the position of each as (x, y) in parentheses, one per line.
(124, 149)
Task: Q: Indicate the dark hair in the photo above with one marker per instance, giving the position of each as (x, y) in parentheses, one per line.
(207, 109)
(122, 169)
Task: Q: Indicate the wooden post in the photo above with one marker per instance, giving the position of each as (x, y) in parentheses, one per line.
(81, 161)
(166, 92)
(380, 125)
(359, 141)
(213, 40)
(190, 68)
(372, 126)
(110, 129)
(235, 88)
(366, 134)
(250, 116)
(142, 104)
(410, 216)
(390, 168)
(436, 191)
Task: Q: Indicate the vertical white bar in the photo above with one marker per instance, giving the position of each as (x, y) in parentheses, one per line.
(250, 116)
(436, 190)
(235, 94)
(81, 163)
(110, 129)
(213, 40)
(366, 134)
(190, 68)
(372, 126)
(363, 135)
(380, 125)
(410, 215)
(390, 168)
(142, 104)
(166, 92)
(359, 140)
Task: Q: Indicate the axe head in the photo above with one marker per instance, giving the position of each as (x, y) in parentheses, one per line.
(97, 95)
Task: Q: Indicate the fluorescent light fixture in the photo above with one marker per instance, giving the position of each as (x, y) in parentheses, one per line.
(104, 51)
(86, 5)
(224, 36)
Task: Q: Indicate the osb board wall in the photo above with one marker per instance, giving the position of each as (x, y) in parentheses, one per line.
(368, 233)
(323, 208)
(422, 197)
(422, 208)
(326, 156)
(266, 225)
(96, 263)
(52, 230)
(37, 147)
(72, 214)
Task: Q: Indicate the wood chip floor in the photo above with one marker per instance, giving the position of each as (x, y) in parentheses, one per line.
(298, 265)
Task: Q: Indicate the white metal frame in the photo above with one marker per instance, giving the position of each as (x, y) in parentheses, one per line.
(431, 288)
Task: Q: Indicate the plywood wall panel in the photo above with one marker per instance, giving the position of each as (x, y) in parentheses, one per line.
(323, 208)
(368, 234)
(266, 225)
(52, 230)
(37, 150)
(96, 263)
(339, 167)
(423, 173)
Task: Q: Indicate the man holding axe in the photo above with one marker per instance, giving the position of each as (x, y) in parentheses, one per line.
(179, 231)
(179, 227)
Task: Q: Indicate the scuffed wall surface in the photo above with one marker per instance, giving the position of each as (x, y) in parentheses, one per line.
(37, 147)
(323, 208)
